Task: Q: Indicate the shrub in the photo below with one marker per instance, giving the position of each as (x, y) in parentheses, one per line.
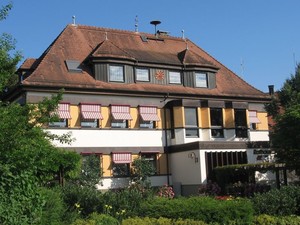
(210, 189)
(280, 202)
(97, 219)
(54, 208)
(270, 220)
(160, 221)
(204, 209)
(166, 192)
(82, 200)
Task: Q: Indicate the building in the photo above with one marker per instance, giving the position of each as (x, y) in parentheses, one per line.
(131, 94)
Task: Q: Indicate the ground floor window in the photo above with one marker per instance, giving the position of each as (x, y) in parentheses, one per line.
(151, 158)
(214, 159)
(121, 169)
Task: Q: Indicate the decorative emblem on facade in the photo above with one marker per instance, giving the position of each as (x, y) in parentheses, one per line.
(160, 75)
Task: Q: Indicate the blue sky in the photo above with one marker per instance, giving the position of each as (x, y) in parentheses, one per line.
(257, 39)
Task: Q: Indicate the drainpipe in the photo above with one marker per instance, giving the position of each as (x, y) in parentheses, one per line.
(166, 137)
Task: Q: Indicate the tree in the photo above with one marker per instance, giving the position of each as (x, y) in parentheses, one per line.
(285, 110)
(142, 170)
(28, 159)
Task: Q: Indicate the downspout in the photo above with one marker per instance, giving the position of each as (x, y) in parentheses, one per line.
(166, 137)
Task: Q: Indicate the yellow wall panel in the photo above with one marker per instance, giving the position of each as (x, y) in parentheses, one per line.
(134, 123)
(229, 118)
(263, 118)
(162, 164)
(105, 111)
(179, 120)
(75, 116)
(160, 115)
(106, 165)
(205, 117)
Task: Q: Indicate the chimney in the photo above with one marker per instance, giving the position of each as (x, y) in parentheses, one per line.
(271, 89)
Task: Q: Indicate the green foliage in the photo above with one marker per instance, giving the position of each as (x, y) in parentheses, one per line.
(4, 11)
(142, 170)
(271, 220)
(90, 171)
(83, 200)
(285, 109)
(279, 202)
(160, 221)
(97, 219)
(125, 202)
(199, 208)
(21, 203)
(54, 208)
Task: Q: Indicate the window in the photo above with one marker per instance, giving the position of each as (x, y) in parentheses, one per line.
(120, 116)
(191, 122)
(116, 73)
(148, 116)
(175, 77)
(119, 123)
(151, 158)
(121, 164)
(201, 80)
(63, 113)
(216, 121)
(142, 74)
(90, 115)
(253, 119)
(240, 123)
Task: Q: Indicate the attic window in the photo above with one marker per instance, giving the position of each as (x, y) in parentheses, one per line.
(73, 66)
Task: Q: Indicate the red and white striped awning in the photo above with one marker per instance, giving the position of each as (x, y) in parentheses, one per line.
(253, 117)
(124, 157)
(121, 112)
(91, 111)
(63, 111)
(149, 113)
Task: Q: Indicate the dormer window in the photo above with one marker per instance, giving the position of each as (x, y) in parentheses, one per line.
(175, 77)
(142, 74)
(201, 80)
(116, 73)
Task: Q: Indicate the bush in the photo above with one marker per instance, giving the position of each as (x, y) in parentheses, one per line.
(279, 202)
(54, 208)
(82, 200)
(270, 220)
(160, 221)
(97, 219)
(204, 209)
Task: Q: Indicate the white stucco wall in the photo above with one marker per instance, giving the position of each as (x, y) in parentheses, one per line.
(112, 138)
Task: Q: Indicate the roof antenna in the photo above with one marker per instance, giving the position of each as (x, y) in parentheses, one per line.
(136, 24)
(74, 20)
(242, 67)
(155, 23)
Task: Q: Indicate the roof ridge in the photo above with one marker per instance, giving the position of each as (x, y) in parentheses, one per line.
(80, 26)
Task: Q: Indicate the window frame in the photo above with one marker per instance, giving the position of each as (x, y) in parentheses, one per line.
(170, 76)
(191, 129)
(199, 83)
(137, 74)
(147, 124)
(117, 170)
(110, 74)
(241, 129)
(124, 123)
(63, 122)
(89, 123)
(217, 125)
(152, 157)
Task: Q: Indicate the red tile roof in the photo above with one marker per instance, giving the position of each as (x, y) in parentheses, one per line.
(81, 42)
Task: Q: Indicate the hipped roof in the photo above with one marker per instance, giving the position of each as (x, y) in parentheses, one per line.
(82, 43)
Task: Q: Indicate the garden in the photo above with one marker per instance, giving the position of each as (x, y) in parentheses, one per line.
(79, 203)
